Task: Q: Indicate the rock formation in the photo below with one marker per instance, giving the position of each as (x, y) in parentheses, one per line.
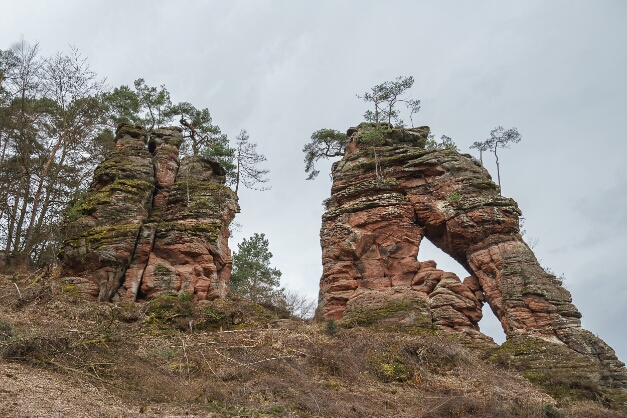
(150, 224)
(371, 233)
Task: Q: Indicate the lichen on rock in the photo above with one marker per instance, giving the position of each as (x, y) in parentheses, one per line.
(151, 224)
(379, 212)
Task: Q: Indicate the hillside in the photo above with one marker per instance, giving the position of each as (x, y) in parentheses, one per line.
(62, 355)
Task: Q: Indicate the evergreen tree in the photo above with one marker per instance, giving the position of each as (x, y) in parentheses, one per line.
(325, 143)
(252, 275)
(481, 147)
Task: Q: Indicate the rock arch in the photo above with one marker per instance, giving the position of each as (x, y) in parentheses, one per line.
(371, 234)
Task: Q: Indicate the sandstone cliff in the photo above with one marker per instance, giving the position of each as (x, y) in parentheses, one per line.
(151, 224)
(371, 234)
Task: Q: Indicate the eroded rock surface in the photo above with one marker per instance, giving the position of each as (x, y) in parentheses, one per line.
(371, 233)
(151, 224)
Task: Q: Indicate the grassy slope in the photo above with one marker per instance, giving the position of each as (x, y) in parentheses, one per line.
(60, 355)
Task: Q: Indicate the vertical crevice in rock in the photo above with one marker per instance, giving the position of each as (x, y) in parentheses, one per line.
(111, 215)
(146, 231)
(191, 251)
(164, 146)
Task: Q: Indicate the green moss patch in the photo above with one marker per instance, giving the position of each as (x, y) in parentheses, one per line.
(389, 366)
(387, 199)
(375, 316)
(181, 313)
(560, 372)
(103, 235)
(208, 230)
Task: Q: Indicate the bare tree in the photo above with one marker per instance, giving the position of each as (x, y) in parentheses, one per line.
(247, 158)
(50, 113)
(481, 147)
(297, 304)
(500, 138)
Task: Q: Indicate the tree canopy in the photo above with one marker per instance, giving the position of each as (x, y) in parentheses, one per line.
(329, 143)
(325, 143)
(445, 143)
(385, 97)
(499, 138)
(51, 112)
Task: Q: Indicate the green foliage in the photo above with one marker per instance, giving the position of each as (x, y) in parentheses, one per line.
(331, 328)
(220, 151)
(328, 143)
(373, 137)
(152, 108)
(199, 131)
(123, 105)
(445, 143)
(453, 198)
(390, 366)
(481, 147)
(252, 275)
(50, 111)
(500, 138)
(385, 97)
(325, 143)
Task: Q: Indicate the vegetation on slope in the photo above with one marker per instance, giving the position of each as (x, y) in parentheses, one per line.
(234, 358)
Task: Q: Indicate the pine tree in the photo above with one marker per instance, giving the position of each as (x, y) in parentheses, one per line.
(252, 275)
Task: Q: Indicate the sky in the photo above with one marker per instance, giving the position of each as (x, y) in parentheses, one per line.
(556, 70)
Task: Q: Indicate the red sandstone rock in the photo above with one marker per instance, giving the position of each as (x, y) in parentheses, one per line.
(114, 208)
(133, 245)
(373, 227)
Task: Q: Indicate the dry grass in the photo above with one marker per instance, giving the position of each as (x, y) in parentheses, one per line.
(174, 358)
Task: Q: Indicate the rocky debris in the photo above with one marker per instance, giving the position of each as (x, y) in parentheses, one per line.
(371, 233)
(147, 227)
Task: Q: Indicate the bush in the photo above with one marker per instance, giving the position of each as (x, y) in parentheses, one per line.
(6, 331)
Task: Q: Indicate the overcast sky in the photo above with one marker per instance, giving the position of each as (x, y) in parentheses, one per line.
(556, 70)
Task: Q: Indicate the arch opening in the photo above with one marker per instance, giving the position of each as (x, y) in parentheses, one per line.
(489, 324)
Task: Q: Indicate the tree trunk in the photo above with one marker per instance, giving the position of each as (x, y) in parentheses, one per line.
(40, 186)
(239, 157)
(498, 171)
(20, 222)
(11, 217)
(30, 243)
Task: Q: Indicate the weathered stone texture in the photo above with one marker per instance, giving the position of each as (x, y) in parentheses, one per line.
(147, 227)
(111, 214)
(371, 233)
